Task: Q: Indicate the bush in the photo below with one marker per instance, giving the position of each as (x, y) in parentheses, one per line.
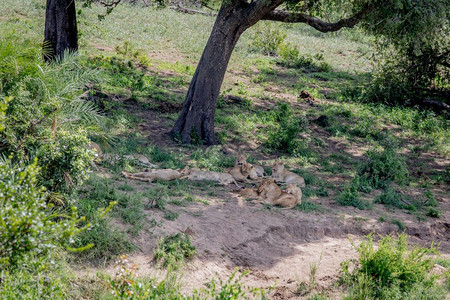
(28, 226)
(383, 167)
(350, 197)
(172, 250)
(393, 270)
(268, 38)
(44, 116)
(291, 58)
(284, 136)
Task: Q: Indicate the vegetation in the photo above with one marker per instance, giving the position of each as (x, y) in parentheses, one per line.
(396, 269)
(352, 139)
(172, 250)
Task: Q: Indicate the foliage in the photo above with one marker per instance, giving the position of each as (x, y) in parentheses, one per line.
(44, 117)
(127, 285)
(36, 278)
(382, 167)
(268, 38)
(417, 65)
(351, 197)
(108, 241)
(291, 57)
(28, 224)
(172, 250)
(394, 198)
(393, 270)
(283, 136)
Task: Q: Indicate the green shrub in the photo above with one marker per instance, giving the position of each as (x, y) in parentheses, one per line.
(172, 250)
(268, 38)
(291, 58)
(283, 137)
(393, 270)
(28, 226)
(350, 197)
(44, 116)
(382, 167)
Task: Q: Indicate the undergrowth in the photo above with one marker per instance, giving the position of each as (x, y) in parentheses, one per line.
(395, 269)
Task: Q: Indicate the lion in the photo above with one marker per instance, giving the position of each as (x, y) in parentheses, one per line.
(268, 191)
(151, 175)
(286, 200)
(237, 174)
(249, 171)
(296, 191)
(279, 173)
(249, 193)
(197, 174)
(241, 160)
(98, 151)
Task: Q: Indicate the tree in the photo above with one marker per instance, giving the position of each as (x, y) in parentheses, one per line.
(61, 32)
(196, 119)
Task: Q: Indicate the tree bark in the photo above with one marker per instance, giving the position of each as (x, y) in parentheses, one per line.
(60, 28)
(196, 120)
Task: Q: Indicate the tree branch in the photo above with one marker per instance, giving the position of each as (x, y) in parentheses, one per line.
(191, 11)
(320, 25)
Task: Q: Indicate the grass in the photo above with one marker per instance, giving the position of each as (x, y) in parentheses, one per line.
(131, 81)
(109, 241)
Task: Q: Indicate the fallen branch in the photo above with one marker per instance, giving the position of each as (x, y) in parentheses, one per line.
(192, 11)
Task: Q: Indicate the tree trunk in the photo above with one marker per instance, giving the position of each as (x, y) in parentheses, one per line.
(196, 120)
(60, 28)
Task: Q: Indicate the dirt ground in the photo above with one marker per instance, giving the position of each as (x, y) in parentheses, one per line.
(278, 247)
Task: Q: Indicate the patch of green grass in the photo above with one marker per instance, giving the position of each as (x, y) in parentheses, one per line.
(172, 251)
(399, 224)
(109, 241)
(170, 215)
(392, 197)
(126, 187)
(165, 159)
(351, 197)
(212, 159)
(308, 206)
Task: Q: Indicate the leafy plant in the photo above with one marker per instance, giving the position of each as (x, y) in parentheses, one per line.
(351, 197)
(394, 269)
(172, 250)
(268, 38)
(382, 167)
(283, 136)
(28, 226)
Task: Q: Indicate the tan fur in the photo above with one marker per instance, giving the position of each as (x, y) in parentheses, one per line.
(249, 193)
(153, 174)
(296, 191)
(196, 174)
(286, 200)
(279, 173)
(236, 172)
(268, 191)
(259, 170)
(240, 160)
(249, 171)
